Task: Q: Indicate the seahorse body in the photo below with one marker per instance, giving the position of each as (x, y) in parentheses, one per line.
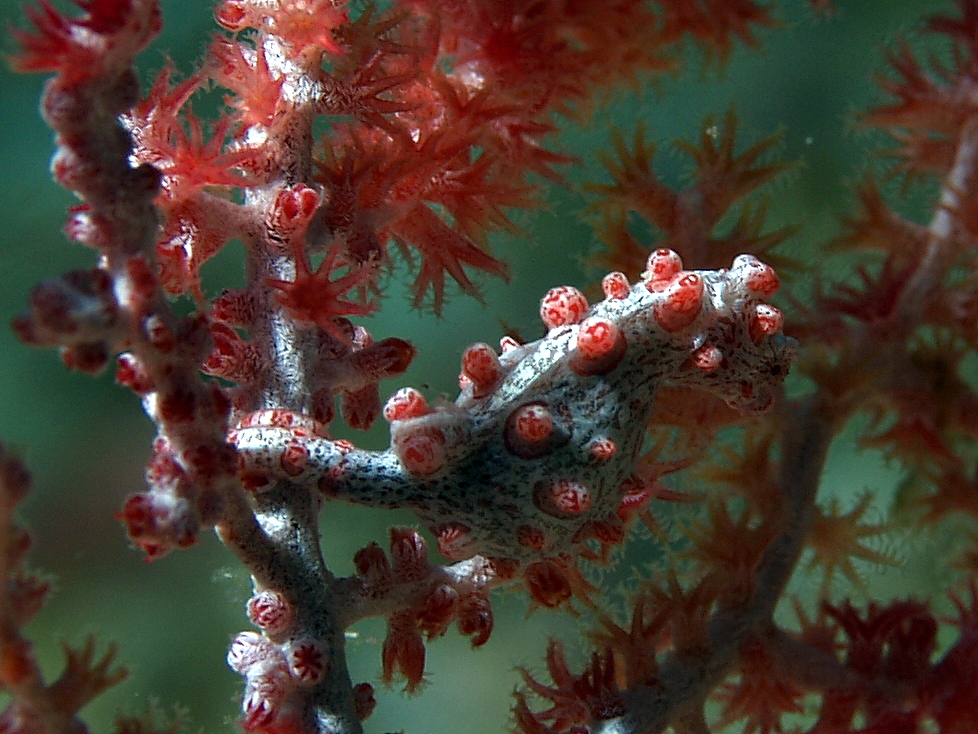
(535, 455)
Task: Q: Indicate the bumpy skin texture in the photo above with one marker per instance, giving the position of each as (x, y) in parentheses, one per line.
(536, 454)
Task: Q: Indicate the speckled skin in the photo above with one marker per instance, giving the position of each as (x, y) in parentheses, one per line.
(490, 493)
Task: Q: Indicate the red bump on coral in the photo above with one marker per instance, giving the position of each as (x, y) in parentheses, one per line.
(682, 298)
(615, 285)
(405, 403)
(421, 449)
(481, 369)
(562, 306)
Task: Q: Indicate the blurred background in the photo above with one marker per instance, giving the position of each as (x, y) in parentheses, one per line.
(86, 440)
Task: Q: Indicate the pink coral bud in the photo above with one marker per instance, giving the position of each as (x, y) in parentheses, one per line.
(765, 320)
(533, 423)
(308, 662)
(249, 650)
(707, 358)
(760, 278)
(602, 449)
(271, 611)
(681, 301)
(662, 265)
(405, 403)
(409, 553)
(364, 700)
(480, 365)
(562, 306)
(615, 286)
(454, 541)
(565, 497)
(475, 618)
(421, 450)
(293, 208)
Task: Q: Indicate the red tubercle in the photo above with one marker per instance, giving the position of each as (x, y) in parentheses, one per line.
(533, 423)
(249, 650)
(600, 347)
(508, 344)
(131, 373)
(421, 450)
(760, 277)
(409, 553)
(597, 338)
(563, 306)
(374, 568)
(764, 321)
(608, 530)
(159, 333)
(406, 403)
(680, 302)
(254, 480)
(232, 15)
(616, 286)
(563, 497)
(661, 266)
(440, 608)
(481, 367)
(602, 449)
(300, 424)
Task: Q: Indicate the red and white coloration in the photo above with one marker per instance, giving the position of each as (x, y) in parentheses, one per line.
(767, 320)
(760, 277)
(616, 285)
(534, 459)
(661, 266)
(683, 298)
(421, 451)
(480, 369)
(405, 403)
(533, 423)
(308, 662)
(708, 357)
(565, 497)
(563, 306)
(271, 611)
